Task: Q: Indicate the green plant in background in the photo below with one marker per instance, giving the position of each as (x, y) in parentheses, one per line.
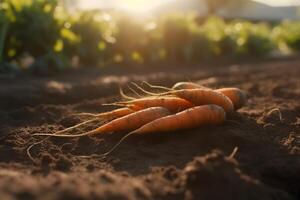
(49, 63)
(94, 37)
(5, 67)
(151, 48)
(177, 30)
(251, 39)
(131, 40)
(259, 42)
(287, 36)
(43, 30)
(217, 32)
(3, 32)
(34, 29)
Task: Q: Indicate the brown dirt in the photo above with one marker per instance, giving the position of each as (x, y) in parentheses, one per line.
(193, 164)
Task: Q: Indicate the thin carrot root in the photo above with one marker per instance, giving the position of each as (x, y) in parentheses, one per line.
(85, 114)
(75, 126)
(279, 113)
(190, 118)
(137, 120)
(132, 90)
(66, 135)
(233, 153)
(234, 122)
(124, 105)
(119, 103)
(118, 144)
(177, 86)
(124, 96)
(156, 86)
(145, 91)
(28, 150)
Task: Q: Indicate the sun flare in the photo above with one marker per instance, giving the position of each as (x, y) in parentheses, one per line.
(133, 6)
(139, 6)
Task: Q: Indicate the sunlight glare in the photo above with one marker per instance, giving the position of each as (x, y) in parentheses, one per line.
(279, 3)
(133, 6)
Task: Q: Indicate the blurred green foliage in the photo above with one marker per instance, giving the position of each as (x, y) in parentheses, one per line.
(54, 38)
(3, 33)
(287, 36)
(33, 28)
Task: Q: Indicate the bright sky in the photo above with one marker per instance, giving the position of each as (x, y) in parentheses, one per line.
(280, 2)
(144, 6)
(129, 5)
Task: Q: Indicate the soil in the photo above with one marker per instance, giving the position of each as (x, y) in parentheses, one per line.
(191, 164)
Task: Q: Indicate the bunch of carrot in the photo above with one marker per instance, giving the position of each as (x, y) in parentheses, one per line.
(185, 105)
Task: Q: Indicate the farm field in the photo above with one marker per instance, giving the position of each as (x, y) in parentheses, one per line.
(190, 164)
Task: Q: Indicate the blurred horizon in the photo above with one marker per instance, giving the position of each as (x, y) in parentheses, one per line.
(144, 5)
(246, 9)
(200, 31)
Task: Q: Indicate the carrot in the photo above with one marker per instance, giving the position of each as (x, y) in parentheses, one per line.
(190, 118)
(101, 116)
(237, 96)
(187, 85)
(187, 119)
(174, 104)
(198, 97)
(127, 123)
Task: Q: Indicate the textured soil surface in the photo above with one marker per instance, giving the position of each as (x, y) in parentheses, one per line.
(192, 164)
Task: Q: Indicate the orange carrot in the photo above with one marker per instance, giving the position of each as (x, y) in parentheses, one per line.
(187, 85)
(190, 118)
(127, 123)
(198, 97)
(204, 96)
(173, 104)
(237, 96)
(101, 116)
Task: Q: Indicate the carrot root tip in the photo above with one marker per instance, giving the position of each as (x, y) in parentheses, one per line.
(279, 113)
(132, 90)
(143, 90)
(233, 153)
(156, 86)
(124, 96)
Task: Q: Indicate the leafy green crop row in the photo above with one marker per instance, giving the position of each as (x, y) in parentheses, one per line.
(43, 30)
